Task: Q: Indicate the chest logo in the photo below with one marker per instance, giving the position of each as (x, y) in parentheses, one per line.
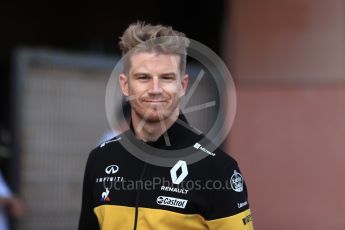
(171, 201)
(105, 196)
(112, 169)
(173, 172)
(236, 182)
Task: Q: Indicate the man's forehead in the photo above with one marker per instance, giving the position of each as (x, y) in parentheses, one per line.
(154, 61)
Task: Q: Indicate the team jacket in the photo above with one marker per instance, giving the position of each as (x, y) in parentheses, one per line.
(121, 191)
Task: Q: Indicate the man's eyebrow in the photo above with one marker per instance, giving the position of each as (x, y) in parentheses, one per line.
(141, 73)
(169, 73)
(148, 74)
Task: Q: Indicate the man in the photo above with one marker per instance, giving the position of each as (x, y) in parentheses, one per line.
(9, 202)
(154, 80)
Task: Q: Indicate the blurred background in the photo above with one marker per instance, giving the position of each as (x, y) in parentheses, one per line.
(287, 59)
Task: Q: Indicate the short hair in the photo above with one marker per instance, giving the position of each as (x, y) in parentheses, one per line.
(141, 37)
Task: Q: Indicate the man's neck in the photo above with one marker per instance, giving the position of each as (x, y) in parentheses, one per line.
(151, 131)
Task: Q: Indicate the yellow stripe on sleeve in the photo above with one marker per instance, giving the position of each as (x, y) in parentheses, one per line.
(240, 221)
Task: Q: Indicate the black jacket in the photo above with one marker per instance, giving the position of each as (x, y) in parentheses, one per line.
(122, 190)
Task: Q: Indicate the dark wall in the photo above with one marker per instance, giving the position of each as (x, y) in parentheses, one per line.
(94, 26)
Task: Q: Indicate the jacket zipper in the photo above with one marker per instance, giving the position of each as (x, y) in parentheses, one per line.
(138, 197)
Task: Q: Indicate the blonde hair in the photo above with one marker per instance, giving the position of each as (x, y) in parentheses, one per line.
(141, 37)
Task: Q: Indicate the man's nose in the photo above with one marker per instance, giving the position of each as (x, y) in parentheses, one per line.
(155, 86)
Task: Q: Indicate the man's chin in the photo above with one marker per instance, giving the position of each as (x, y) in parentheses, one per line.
(156, 117)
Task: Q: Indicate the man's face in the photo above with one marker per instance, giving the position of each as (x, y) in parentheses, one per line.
(154, 85)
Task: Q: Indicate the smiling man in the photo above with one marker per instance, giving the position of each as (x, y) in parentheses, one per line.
(155, 84)
(206, 194)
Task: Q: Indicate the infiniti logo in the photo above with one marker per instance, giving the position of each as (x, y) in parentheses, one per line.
(112, 169)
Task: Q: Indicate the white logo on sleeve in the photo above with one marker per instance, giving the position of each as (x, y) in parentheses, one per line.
(173, 172)
(198, 146)
(240, 205)
(236, 182)
(107, 142)
(112, 169)
(171, 201)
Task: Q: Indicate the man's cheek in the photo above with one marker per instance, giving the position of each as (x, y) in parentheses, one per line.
(172, 89)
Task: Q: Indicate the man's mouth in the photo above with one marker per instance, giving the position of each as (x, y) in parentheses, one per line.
(154, 101)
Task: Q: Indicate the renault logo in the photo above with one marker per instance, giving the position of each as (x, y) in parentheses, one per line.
(177, 166)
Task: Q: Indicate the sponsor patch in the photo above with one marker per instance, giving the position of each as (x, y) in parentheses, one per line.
(173, 172)
(236, 182)
(171, 201)
(247, 219)
(105, 196)
(107, 142)
(240, 205)
(171, 189)
(111, 169)
(198, 146)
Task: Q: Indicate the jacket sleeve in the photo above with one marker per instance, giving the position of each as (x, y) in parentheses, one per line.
(229, 208)
(88, 220)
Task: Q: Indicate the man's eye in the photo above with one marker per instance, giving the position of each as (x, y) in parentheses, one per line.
(143, 77)
(168, 77)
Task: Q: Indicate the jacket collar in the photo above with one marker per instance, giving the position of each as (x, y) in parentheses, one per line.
(172, 137)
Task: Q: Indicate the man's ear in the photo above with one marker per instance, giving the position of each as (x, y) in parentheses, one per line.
(184, 84)
(124, 84)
